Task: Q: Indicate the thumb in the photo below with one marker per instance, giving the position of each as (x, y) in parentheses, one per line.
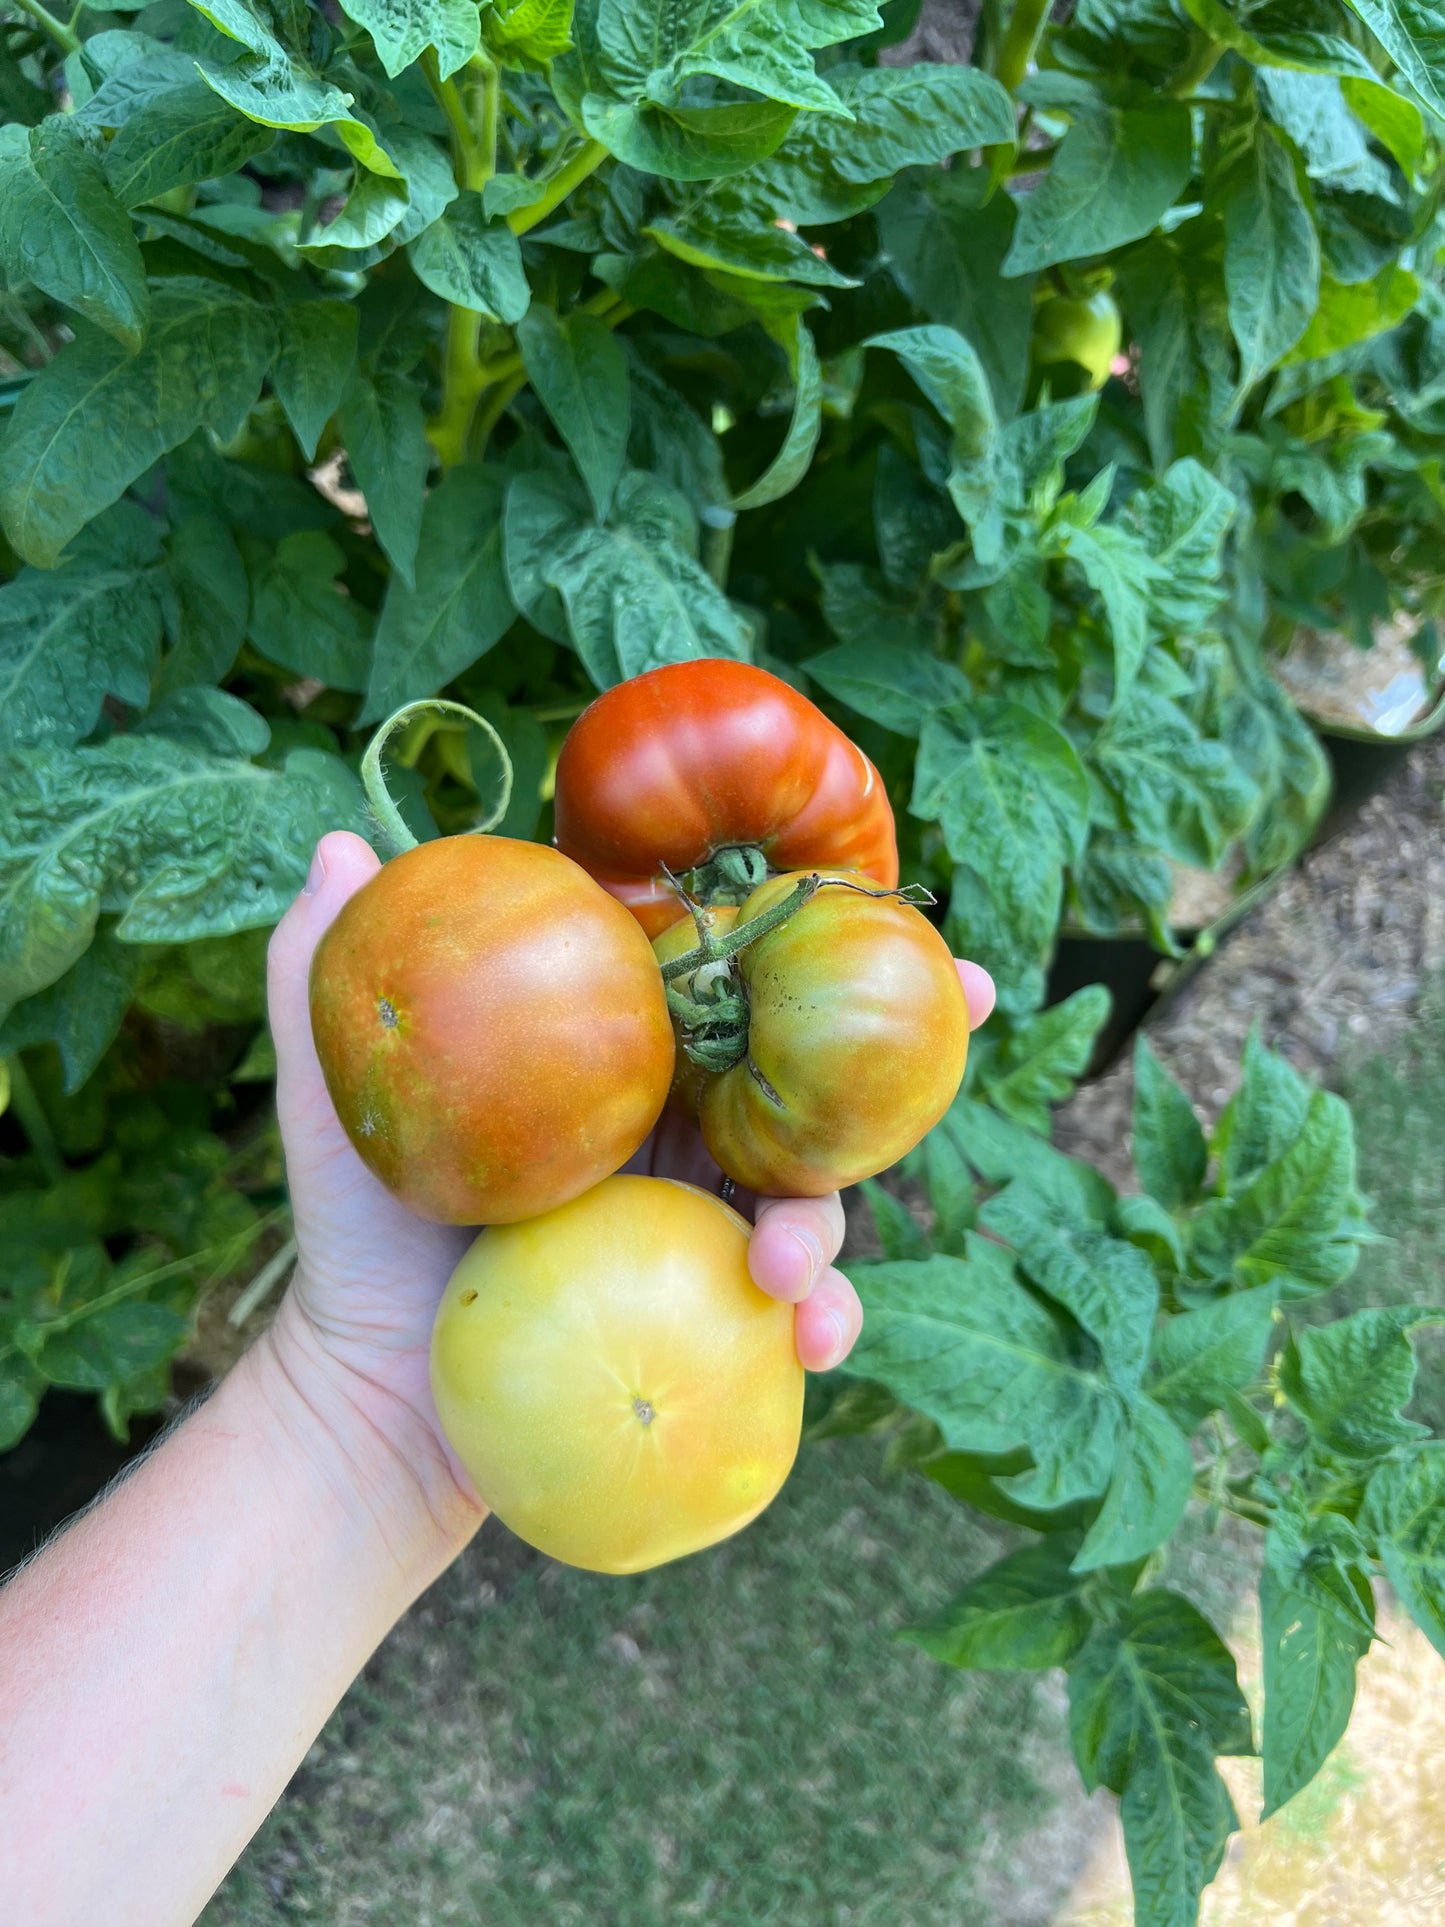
(341, 865)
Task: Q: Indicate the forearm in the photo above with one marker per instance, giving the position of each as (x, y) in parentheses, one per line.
(165, 1665)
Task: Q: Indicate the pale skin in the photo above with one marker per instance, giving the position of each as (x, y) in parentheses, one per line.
(167, 1661)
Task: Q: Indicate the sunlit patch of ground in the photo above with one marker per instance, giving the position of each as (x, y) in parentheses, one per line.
(1362, 1846)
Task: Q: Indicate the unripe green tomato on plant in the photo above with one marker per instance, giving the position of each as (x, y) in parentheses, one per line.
(492, 1029)
(618, 1389)
(856, 1039)
(1082, 329)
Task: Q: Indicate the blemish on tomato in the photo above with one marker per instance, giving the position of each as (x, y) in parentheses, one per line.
(468, 1298)
(386, 1010)
(645, 1410)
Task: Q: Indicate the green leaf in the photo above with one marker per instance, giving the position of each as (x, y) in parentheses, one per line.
(899, 1232)
(1404, 1513)
(314, 360)
(1200, 1357)
(1026, 1612)
(1152, 1479)
(794, 458)
(915, 115)
(1296, 1219)
(81, 1012)
(459, 607)
(634, 597)
(1123, 574)
(1310, 1655)
(274, 90)
(1144, 1222)
(1116, 173)
(578, 370)
(1396, 123)
(963, 1341)
(402, 30)
(1264, 1117)
(896, 684)
(1351, 1379)
(20, 1389)
(212, 601)
(1271, 255)
(1356, 312)
(1039, 1062)
(1169, 1150)
(384, 430)
(114, 1343)
(719, 233)
(1153, 1697)
(1179, 791)
(70, 636)
(374, 209)
(1002, 1152)
(948, 370)
(1107, 1286)
(1011, 796)
(688, 143)
(1182, 519)
(97, 417)
(473, 262)
(179, 843)
(521, 31)
(946, 251)
(1413, 35)
(63, 229)
(303, 618)
(182, 135)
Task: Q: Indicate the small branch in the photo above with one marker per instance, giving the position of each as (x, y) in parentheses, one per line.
(714, 949)
(588, 158)
(1201, 63)
(388, 816)
(1016, 50)
(34, 1122)
(58, 31)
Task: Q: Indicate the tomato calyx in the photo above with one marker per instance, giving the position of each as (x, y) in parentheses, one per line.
(729, 876)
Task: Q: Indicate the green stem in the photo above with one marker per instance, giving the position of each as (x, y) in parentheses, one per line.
(1032, 160)
(588, 158)
(497, 405)
(472, 118)
(1026, 23)
(714, 949)
(58, 31)
(1201, 63)
(388, 816)
(33, 1121)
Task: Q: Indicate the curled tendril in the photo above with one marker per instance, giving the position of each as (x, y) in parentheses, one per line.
(388, 816)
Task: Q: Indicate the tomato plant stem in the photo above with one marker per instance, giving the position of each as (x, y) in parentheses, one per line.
(588, 158)
(1203, 59)
(33, 1120)
(388, 817)
(58, 31)
(713, 949)
(471, 111)
(1021, 36)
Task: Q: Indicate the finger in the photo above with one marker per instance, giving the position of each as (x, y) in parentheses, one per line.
(827, 1323)
(978, 991)
(793, 1243)
(341, 865)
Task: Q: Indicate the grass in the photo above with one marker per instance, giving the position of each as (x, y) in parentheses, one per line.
(734, 1740)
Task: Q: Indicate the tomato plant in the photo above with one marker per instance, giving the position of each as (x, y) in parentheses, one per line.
(1081, 331)
(715, 771)
(839, 1041)
(615, 1384)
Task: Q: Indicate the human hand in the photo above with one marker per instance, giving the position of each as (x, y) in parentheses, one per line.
(370, 1274)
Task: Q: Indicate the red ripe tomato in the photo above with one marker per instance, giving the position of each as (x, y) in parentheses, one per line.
(698, 758)
(492, 1029)
(855, 1042)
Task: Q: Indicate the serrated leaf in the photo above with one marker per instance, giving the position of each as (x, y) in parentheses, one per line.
(899, 685)
(303, 617)
(1152, 1479)
(1026, 1612)
(1169, 1149)
(1350, 1380)
(1011, 796)
(402, 30)
(1404, 1513)
(459, 607)
(1182, 519)
(1271, 256)
(81, 1012)
(1180, 791)
(314, 360)
(1116, 172)
(384, 430)
(911, 116)
(473, 261)
(182, 135)
(1298, 1217)
(1068, 1191)
(634, 597)
(1200, 1357)
(97, 417)
(1265, 1115)
(178, 843)
(579, 373)
(1310, 1656)
(1124, 575)
(964, 1342)
(528, 30)
(1152, 1698)
(1039, 1062)
(63, 229)
(70, 636)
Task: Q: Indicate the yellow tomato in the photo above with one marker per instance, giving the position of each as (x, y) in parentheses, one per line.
(617, 1387)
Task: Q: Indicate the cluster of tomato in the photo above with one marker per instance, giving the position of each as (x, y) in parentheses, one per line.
(499, 1036)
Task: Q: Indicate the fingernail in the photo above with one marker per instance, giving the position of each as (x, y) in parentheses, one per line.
(839, 1326)
(812, 1250)
(315, 876)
